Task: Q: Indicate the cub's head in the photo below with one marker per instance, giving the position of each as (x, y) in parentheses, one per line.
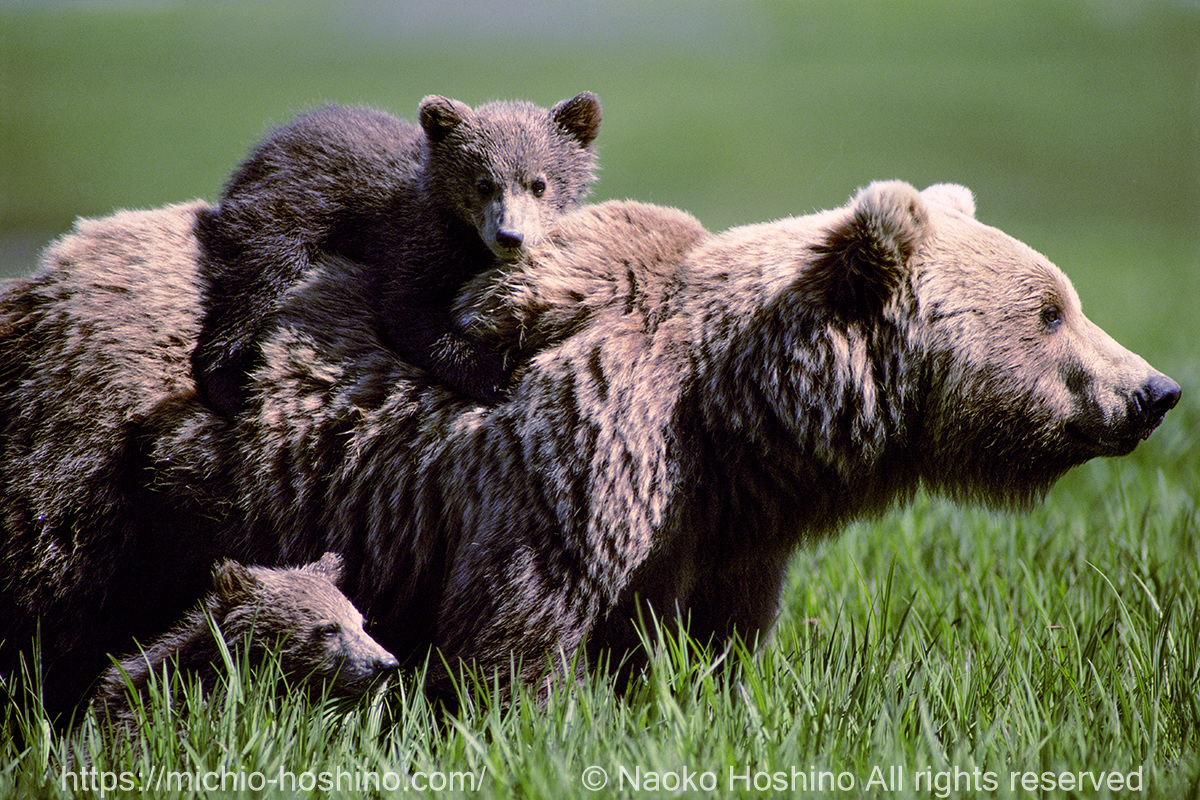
(1019, 385)
(319, 631)
(510, 168)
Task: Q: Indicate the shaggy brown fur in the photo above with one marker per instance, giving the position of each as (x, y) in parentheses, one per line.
(703, 405)
(318, 632)
(93, 355)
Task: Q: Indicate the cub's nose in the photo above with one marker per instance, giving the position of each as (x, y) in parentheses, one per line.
(385, 663)
(510, 239)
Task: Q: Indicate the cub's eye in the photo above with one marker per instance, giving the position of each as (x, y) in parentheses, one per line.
(1052, 317)
(329, 631)
(485, 187)
(538, 187)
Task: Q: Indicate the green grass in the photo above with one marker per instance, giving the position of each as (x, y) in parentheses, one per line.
(1062, 640)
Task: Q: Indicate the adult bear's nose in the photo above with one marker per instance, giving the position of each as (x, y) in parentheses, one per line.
(1154, 399)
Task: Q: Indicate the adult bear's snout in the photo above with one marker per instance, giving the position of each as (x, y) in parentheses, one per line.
(1153, 400)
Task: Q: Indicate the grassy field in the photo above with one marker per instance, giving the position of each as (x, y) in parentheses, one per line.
(948, 653)
(938, 652)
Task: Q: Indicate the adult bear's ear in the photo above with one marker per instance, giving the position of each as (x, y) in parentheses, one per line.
(441, 115)
(579, 117)
(951, 195)
(863, 261)
(329, 567)
(234, 583)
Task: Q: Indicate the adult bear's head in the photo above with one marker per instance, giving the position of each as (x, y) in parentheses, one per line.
(1013, 384)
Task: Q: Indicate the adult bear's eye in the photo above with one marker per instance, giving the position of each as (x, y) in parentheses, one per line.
(538, 187)
(1052, 317)
(485, 187)
(329, 631)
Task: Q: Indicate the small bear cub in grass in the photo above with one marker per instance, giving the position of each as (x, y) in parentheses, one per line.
(299, 609)
(423, 208)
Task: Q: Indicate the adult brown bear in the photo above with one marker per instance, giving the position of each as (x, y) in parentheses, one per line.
(696, 407)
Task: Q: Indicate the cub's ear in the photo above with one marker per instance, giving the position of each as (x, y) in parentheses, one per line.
(234, 583)
(329, 567)
(863, 261)
(955, 197)
(579, 117)
(441, 115)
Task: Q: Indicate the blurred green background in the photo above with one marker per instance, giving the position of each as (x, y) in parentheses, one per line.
(1076, 122)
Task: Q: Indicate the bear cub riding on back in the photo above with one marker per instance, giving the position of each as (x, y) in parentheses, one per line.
(424, 209)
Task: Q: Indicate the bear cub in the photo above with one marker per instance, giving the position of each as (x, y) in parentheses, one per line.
(424, 209)
(300, 609)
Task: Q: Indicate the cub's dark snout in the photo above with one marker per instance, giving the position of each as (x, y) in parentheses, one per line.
(510, 240)
(386, 663)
